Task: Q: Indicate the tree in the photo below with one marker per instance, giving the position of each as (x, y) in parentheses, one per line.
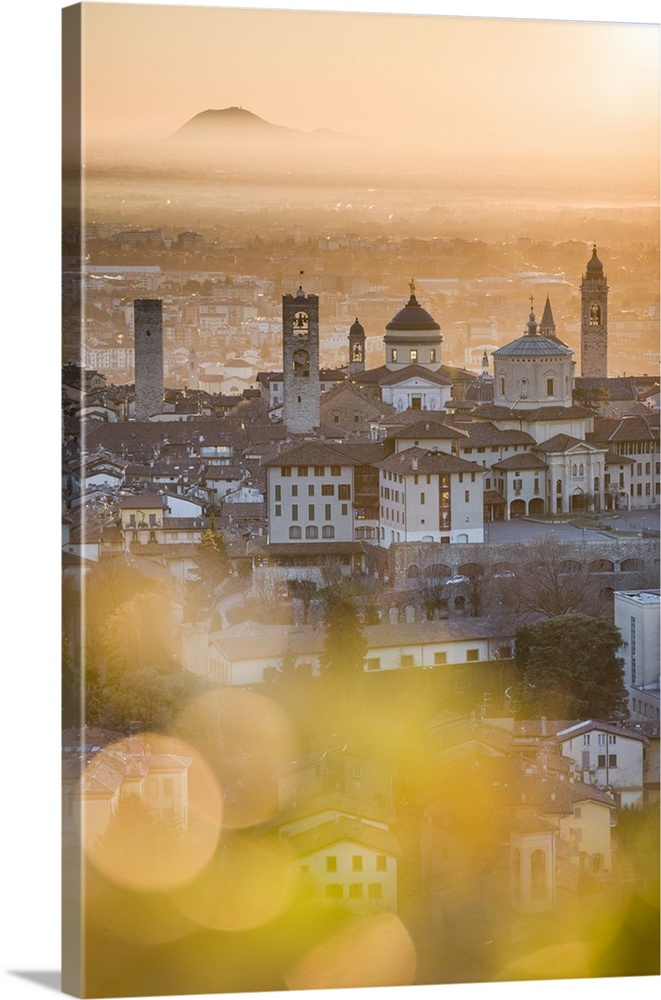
(211, 559)
(595, 398)
(141, 634)
(552, 583)
(569, 669)
(345, 646)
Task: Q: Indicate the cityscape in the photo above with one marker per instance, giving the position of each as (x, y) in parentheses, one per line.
(361, 480)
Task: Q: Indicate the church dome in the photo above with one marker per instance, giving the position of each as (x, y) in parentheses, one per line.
(413, 317)
(356, 327)
(532, 344)
(594, 265)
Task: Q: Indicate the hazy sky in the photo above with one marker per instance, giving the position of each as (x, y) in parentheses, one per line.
(473, 87)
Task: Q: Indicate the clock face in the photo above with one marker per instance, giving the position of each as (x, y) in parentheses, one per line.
(301, 324)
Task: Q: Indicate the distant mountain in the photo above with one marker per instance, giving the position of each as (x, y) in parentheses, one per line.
(239, 124)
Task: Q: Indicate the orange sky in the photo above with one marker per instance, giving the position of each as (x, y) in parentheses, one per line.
(528, 89)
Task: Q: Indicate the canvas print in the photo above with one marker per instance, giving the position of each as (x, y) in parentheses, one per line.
(360, 500)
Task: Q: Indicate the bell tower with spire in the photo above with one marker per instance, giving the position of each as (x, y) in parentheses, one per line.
(356, 348)
(300, 361)
(594, 320)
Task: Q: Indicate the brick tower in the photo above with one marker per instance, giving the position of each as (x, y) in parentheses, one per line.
(300, 362)
(148, 330)
(594, 320)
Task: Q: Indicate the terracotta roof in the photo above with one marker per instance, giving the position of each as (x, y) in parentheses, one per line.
(425, 428)
(564, 442)
(140, 500)
(523, 461)
(312, 453)
(418, 460)
(320, 837)
(483, 433)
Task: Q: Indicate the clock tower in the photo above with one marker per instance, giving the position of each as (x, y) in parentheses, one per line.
(300, 362)
(594, 320)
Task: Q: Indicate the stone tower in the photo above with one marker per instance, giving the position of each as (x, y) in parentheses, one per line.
(300, 362)
(148, 331)
(356, 348)
(594, 320)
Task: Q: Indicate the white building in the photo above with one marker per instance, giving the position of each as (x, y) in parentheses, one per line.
(430, 497)
(607, 756)
(636, 614)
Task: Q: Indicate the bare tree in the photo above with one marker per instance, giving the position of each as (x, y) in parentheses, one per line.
(554, 580)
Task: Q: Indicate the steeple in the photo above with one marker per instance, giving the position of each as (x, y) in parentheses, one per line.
(485, 364)
(547, 325)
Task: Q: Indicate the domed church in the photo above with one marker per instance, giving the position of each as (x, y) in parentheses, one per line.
(533, 371)
(413, 377)
(413, 337)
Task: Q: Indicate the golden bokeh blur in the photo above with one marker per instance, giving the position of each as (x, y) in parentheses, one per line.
(248, 884)
(244, 737)
(163, 839)
(374, 951)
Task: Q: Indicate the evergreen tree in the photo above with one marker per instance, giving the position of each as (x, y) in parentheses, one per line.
(345, 646)
(569, 669)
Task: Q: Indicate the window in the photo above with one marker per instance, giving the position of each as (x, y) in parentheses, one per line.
(327, 490)
(413, 355)
(327, 512)
(278, 510)
(331, 863)
(432, 354)
(285, 471)
(302, 470)
(586, 740)
(312, 531)
(356, 890)
(333, 891)
(407, 659)
(295, 531)
(467, 495)
(375, 890)
(311, 490)
(310, 512)
(294, 490)
(550, 386)
(472, 654)
(440, 658)
(345, 509)
(612, 760)
(319, 470)
(335, 470)
(373, 663)
(344, 491)
(294, 512)
(278, 492)
(328, 531)
(601, 760)
(357, 863)
(601, 739)
(381, 863)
